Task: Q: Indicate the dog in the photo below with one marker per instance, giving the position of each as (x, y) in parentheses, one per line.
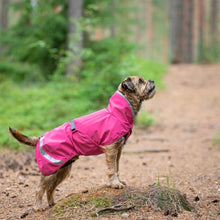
(104, 131)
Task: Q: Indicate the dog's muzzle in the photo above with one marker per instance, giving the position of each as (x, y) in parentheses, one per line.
(150, 86)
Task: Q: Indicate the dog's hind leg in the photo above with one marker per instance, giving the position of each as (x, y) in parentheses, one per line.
(49, 184)
(40, 192)
(54, 180)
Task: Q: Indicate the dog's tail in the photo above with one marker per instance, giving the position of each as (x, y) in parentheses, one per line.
(31, 141)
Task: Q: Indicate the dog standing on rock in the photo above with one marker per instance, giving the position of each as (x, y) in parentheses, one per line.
(104, 131)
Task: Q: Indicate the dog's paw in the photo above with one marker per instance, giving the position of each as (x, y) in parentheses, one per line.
(123, 182)
(117, 185)
(51, 204)
(39, 208)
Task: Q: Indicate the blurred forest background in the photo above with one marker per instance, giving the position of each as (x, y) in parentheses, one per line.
(60, 59)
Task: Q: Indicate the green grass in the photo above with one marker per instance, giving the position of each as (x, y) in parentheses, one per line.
(35, 108)
(144, 119)
(216, 140)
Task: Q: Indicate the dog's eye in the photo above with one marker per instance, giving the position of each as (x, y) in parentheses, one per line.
(141, 81)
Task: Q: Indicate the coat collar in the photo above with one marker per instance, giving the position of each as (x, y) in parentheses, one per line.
(121, 108)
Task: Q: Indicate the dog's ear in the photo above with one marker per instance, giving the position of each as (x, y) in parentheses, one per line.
(128, 85)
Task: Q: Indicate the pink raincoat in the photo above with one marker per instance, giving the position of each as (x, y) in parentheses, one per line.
(84, 135)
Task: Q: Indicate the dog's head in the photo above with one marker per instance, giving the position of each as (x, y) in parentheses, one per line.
(137, 86)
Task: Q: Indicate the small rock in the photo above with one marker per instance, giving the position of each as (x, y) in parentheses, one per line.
(125, 215)
(24, 215)
(167, 212)
(171, 212)
(85, 191)
(174, 214)
(196, 199)
(215, 201)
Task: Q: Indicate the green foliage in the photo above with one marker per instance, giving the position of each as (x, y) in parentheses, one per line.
(158, 180)
(211, 54)
(106, 13)
(38, 37)
(168, 181)
(144, 119)
(18, 71)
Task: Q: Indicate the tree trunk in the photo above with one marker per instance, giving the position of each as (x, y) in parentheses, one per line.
(214, 25)
(188, 18)
(4, 14)
(176, 15)
(4, 20)
(75, 41)
(182, 18)
(201, 28)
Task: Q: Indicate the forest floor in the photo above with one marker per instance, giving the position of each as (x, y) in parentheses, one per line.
(187, 116)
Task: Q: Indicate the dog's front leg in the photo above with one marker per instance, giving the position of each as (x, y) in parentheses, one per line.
(118, 159)
(112, 153)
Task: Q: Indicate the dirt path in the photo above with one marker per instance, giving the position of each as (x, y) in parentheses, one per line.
(188, 117)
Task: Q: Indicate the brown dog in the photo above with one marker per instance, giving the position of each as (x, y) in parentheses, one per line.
(134, 90)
